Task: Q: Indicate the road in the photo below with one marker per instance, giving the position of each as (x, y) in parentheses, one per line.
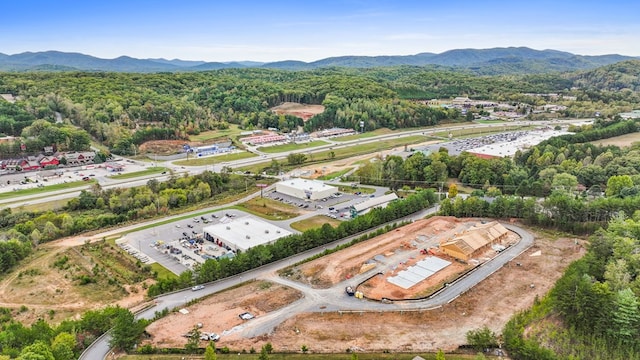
(322, 300)
(107, 183)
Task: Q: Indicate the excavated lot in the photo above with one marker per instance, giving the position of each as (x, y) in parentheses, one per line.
(491, 302)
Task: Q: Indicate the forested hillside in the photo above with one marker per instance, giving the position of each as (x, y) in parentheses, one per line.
(123, 110)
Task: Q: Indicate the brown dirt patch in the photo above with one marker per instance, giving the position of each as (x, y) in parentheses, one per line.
(303, 111)
(492, 302)
(219, 313)
(389, 254)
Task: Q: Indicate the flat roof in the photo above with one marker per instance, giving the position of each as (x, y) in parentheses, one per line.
(376, 201)
(307, 184)
(246, 232)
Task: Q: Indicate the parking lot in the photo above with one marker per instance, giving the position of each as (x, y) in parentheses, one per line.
(180, 245)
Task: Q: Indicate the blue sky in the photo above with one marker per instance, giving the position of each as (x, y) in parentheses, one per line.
(234, 30)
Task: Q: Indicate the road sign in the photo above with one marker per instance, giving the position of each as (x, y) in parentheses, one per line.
(262, 185)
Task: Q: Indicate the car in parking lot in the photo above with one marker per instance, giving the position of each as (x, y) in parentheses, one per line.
(197, 287)
(189, 225)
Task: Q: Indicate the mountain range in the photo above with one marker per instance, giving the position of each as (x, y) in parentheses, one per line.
(492, 61)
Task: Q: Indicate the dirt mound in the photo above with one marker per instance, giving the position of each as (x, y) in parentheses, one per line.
(303, 111)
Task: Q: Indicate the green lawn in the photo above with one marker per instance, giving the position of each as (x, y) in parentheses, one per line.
(470, 132)
(343, 153)
(489, 121)
(210, 160)
(335, 174)
(231, 132)
(314, 223)
(364, 135)
(46, 189)
(290, 147)
(135, 174)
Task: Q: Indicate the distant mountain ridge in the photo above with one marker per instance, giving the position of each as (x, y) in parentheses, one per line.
(483, 61)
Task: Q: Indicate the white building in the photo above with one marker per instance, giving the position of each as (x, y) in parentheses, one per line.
(244, 233)
(380, 201)
(305, 189)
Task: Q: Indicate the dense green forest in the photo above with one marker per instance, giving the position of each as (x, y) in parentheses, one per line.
(123, 110)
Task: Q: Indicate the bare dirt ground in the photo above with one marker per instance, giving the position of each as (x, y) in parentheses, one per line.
(491, 303)
(303, 111)
(219, 313)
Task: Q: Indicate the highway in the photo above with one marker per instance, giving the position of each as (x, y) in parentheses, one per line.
(113, 182)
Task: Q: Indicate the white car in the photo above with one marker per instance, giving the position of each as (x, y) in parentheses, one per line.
(197, 287)
(246, 316)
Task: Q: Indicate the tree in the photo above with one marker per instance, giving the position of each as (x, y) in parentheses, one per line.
(453, 190)
(482, 338)
(296, 159)
(36, 351)
(210, 352)
(62, 346)
(193, 341)
(263, 354)
(304, 349)
(617, 183)
(126, 330)
(440, 355)
(626, 316)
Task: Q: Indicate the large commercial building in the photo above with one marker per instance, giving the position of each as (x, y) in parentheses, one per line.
(243, 233)
(305, 189)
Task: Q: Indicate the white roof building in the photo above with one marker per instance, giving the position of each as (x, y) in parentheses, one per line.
(305, 188)
(244, 233)
(380, 201)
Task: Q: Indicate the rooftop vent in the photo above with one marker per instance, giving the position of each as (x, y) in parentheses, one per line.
(248, 237)
(266, 231)
(246, 223)
(228, 227)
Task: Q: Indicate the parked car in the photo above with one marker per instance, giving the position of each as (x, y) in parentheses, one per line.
(246, 316)
(197, 287)
(189, 225)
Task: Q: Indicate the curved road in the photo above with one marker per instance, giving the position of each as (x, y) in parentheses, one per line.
(321, 300)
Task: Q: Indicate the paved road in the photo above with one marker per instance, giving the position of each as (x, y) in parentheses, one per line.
(322, 300)
(113, 182)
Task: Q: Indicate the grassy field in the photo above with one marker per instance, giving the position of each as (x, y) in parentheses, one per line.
(343, 153)
(46, 189)
(470, 132)
(135, 174)
(335, 174)
(269, 209)
(314, 223)
(620, 141)
(489, 121)
(364, 135)
(290, 147)
(210, 160)
(301, 356)
(231, 132)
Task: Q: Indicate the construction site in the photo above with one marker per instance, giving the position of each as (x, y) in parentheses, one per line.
(411, 262)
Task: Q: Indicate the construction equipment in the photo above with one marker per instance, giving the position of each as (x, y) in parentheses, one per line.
(349, 290)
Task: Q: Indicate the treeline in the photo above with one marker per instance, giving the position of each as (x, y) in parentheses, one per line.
(213, 269)
(593, 310)
(551, 165)
(41, 133)
(121, 109)
(98, 208)
(67, 340)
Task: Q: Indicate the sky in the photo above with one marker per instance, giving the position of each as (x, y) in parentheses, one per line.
(308, 30)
